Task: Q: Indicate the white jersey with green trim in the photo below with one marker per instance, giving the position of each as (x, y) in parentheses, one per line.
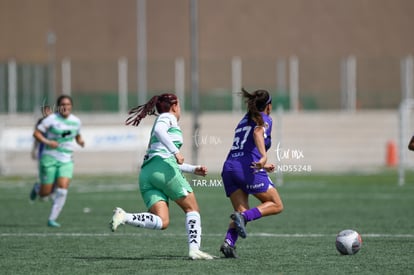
(166, 137)
(63, 130)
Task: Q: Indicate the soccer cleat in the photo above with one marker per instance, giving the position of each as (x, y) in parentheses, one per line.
(52, 223)
(196, 254)
(33, 193)
(228, 250)
(117, 219)
(240, 223)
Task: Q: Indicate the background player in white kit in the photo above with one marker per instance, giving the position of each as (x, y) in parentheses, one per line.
(58, 132)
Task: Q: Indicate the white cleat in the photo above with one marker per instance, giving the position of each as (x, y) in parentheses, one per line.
(117, 219)
(196, 254)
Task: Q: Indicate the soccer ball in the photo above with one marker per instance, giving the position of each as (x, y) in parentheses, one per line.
(348, 242)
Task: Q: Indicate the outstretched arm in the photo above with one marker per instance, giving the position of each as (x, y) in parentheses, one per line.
(199, 170)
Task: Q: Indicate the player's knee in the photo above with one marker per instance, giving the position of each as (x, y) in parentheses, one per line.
(280, 207)
(277, 207)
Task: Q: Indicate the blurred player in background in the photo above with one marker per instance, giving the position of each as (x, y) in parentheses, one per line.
(161, 177)
(58, 132)
(245, 170)
(411, 144)
(37, 149)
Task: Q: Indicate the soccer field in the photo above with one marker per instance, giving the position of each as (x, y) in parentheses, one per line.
(301, 240)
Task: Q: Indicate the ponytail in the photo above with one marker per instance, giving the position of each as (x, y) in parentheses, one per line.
(256, 103)
(138, 113)
(156, 105)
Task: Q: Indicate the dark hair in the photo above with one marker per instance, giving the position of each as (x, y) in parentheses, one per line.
(256, 103)
(156, 105)
(45, 108)
(62, 97)
(59, 102)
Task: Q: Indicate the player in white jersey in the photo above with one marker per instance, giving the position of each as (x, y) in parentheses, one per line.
(161, 177)
(58, 132)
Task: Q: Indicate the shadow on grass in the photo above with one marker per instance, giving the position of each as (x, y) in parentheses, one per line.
(149, 257)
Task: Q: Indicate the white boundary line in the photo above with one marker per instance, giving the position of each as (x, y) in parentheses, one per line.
(120, 234)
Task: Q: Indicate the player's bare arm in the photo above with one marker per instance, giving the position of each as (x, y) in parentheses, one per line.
(38, 135)
(258, 136)
(80, 141)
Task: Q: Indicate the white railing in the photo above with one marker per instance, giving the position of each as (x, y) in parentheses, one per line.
(287, 79)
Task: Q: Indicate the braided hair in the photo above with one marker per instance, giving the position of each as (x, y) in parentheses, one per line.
(156, 105)
(256, 103)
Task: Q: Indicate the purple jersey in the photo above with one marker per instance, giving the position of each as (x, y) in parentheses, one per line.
(237, 172)
(243, 143)
(41, 145)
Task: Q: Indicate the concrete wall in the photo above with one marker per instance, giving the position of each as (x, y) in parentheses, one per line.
(106, 29)
(95, 33)
(316, 141)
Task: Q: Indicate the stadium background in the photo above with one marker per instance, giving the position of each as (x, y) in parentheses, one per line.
(94, 35)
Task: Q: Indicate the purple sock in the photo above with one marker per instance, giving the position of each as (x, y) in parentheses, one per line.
(231, 236)
(252, 214)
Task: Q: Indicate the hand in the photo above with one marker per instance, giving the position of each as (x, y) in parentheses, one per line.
(81, 142)
(259, 164)
(200, 171)
(270, 168)
(52, 143)
(179, 158)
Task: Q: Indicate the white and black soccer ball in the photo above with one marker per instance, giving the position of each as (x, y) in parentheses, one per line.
(348, 242)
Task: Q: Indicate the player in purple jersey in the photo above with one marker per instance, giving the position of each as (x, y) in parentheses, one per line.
(245, 170)
(37, 149)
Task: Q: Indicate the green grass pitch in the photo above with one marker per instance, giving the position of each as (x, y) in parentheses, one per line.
(301, 240)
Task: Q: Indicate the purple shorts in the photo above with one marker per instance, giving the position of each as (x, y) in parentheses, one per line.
(237, 176)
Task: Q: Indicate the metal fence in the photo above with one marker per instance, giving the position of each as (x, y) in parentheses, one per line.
(295, 83)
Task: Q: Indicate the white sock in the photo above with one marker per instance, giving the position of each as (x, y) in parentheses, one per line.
(193, 227)
(58, 203)
(144, 220)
